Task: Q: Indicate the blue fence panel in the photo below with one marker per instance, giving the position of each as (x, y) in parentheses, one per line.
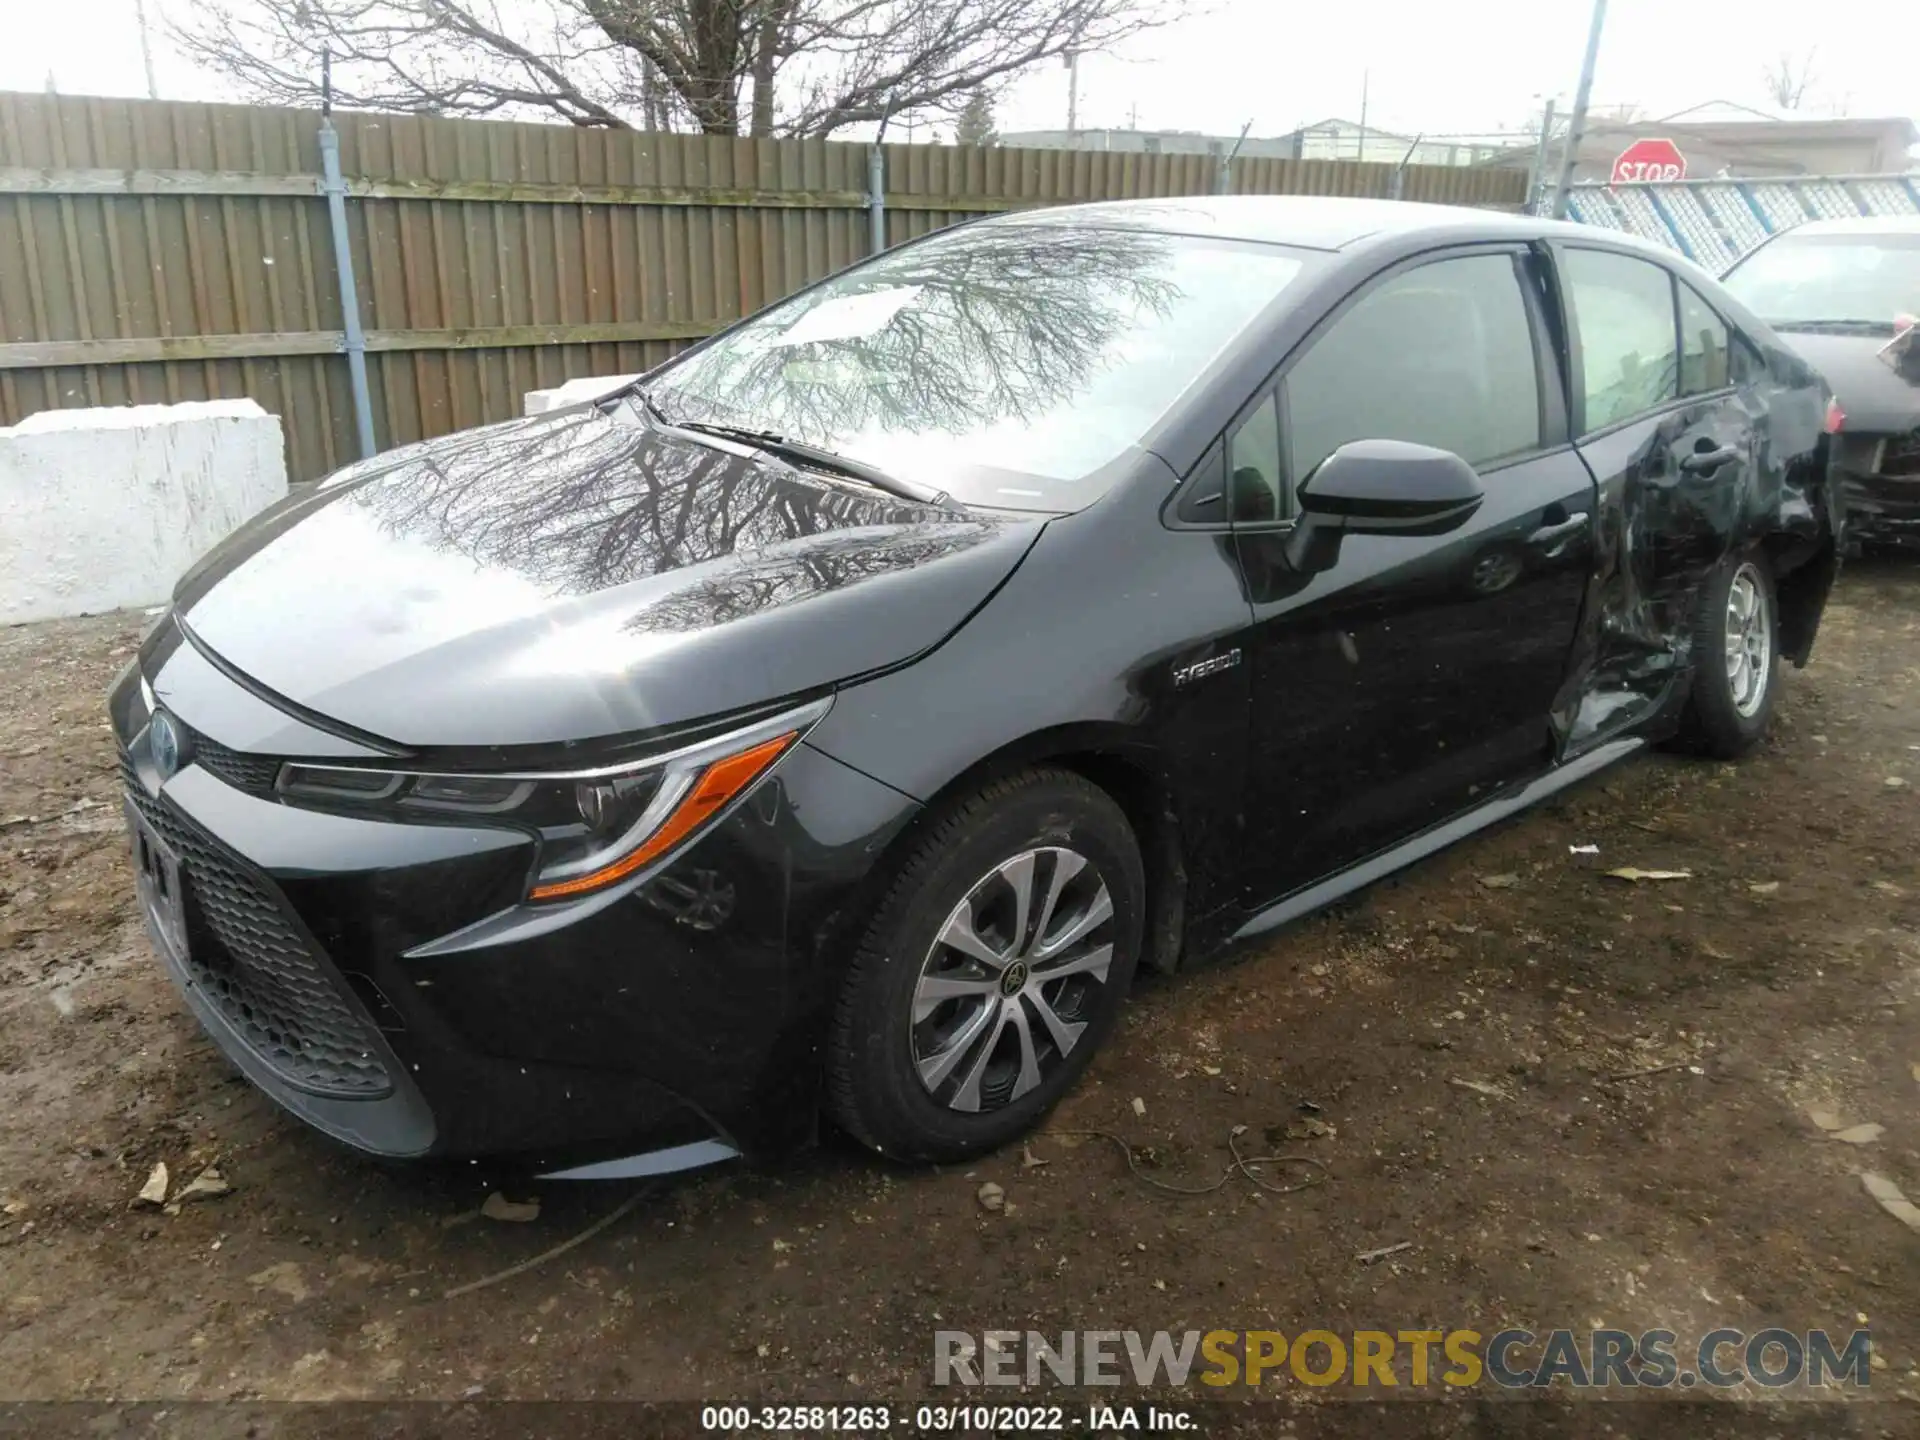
(1594, 206)
(1781, 201)
(1889, 194)
(1715, 222)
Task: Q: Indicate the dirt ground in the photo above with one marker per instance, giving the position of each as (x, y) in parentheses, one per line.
(1455, 1034)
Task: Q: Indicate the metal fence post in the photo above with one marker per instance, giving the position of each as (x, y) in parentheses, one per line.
(876, 198)
(1223, 170)
(335, 189)
(1397, 182)
(1537, 172)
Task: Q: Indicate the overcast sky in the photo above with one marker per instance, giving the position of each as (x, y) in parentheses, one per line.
(1471, 65)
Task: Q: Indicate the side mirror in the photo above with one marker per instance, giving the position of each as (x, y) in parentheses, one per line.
(1390, 487)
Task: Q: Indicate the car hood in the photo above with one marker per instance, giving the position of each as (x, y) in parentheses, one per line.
(1875, 398)
(582, 574)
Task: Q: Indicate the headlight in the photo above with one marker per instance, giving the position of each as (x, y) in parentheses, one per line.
(597, 827)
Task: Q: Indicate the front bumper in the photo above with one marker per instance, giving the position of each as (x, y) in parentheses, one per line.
(1879, 479)
(384, 982)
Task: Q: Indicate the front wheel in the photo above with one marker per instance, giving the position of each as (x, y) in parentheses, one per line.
(1736, 659)
(996, 965)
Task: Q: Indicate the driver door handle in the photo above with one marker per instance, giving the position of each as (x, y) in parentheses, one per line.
(1701, 461)
(1551, 534)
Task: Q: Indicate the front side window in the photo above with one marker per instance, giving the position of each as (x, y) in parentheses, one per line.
(1814, 279)
(1253, 467)
(1704, 345)
(1004, 363)
(1623, 314)
(1440, 355)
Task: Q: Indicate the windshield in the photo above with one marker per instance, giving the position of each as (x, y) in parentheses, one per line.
(1006, 364)
(1799, 279)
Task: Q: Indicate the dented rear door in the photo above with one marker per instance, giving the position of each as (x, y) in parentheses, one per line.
(1697, 449)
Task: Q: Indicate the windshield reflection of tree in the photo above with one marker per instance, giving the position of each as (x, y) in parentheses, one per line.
(1009, 324)
(595, 503)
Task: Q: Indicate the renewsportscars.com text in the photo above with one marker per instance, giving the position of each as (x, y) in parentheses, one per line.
(1513, 1359)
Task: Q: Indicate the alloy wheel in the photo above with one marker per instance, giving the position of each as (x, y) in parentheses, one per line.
(1749, 638)
(1012, 980)
(1494, 572)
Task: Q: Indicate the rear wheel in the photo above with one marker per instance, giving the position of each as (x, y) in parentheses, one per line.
(1736, 668)
(996, 965)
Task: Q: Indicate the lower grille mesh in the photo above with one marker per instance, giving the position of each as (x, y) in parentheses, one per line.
(251, 962)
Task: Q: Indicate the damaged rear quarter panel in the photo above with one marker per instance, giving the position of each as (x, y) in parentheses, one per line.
(1661, 531)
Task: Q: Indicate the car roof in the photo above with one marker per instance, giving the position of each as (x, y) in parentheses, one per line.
(1313, 222)
(1860, 225)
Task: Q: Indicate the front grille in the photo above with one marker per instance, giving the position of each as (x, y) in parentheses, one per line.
(254, 773)
(256, 968)
(1902, 455)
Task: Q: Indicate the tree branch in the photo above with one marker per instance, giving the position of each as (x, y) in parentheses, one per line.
(796, 67)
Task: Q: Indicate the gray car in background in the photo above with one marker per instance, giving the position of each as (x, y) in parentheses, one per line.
(1844, 294)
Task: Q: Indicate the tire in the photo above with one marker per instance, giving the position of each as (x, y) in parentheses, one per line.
(963, 1032)
(1727, 713)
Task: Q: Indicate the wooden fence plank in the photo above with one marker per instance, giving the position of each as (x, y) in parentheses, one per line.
(40, 354)
(149, 239)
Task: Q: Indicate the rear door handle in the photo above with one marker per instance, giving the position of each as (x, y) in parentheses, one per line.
(1701, 461)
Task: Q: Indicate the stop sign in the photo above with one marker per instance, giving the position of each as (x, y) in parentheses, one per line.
(1649, 160)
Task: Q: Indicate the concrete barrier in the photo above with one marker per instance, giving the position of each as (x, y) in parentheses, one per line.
(101, 509)
(574, 392)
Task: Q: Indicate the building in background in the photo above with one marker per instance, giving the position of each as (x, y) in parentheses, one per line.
(1719, 139)
(1722, 140)
(1337, 139)
(1330, 139)
(1138, 142)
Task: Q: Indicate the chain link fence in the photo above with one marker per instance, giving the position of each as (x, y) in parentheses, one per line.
(1715, 222)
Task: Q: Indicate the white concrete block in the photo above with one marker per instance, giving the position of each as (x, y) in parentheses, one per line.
(102, 509)
(574, 392)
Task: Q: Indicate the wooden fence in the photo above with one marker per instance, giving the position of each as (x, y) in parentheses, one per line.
(154, 252)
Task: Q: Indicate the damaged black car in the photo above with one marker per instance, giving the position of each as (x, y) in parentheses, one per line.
(1845, 294)
(829, 724)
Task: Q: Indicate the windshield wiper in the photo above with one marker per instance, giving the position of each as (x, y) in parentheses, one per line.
(776, 444)
(1836, 327)
(798, 450)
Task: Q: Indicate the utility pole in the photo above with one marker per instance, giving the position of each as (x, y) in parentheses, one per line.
(1577, 123)
(146, 47)
(1361, 152)
(1072, 59)
(650, 108)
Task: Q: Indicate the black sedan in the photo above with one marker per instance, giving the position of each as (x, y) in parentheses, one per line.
(1845, 294)
(830, 723)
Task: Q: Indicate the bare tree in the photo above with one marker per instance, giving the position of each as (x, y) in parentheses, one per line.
(724, 67)
(1788, 79)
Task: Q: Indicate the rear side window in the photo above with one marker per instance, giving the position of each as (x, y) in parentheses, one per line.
(1440, 355)
(1623, 314)
(1704, 344)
